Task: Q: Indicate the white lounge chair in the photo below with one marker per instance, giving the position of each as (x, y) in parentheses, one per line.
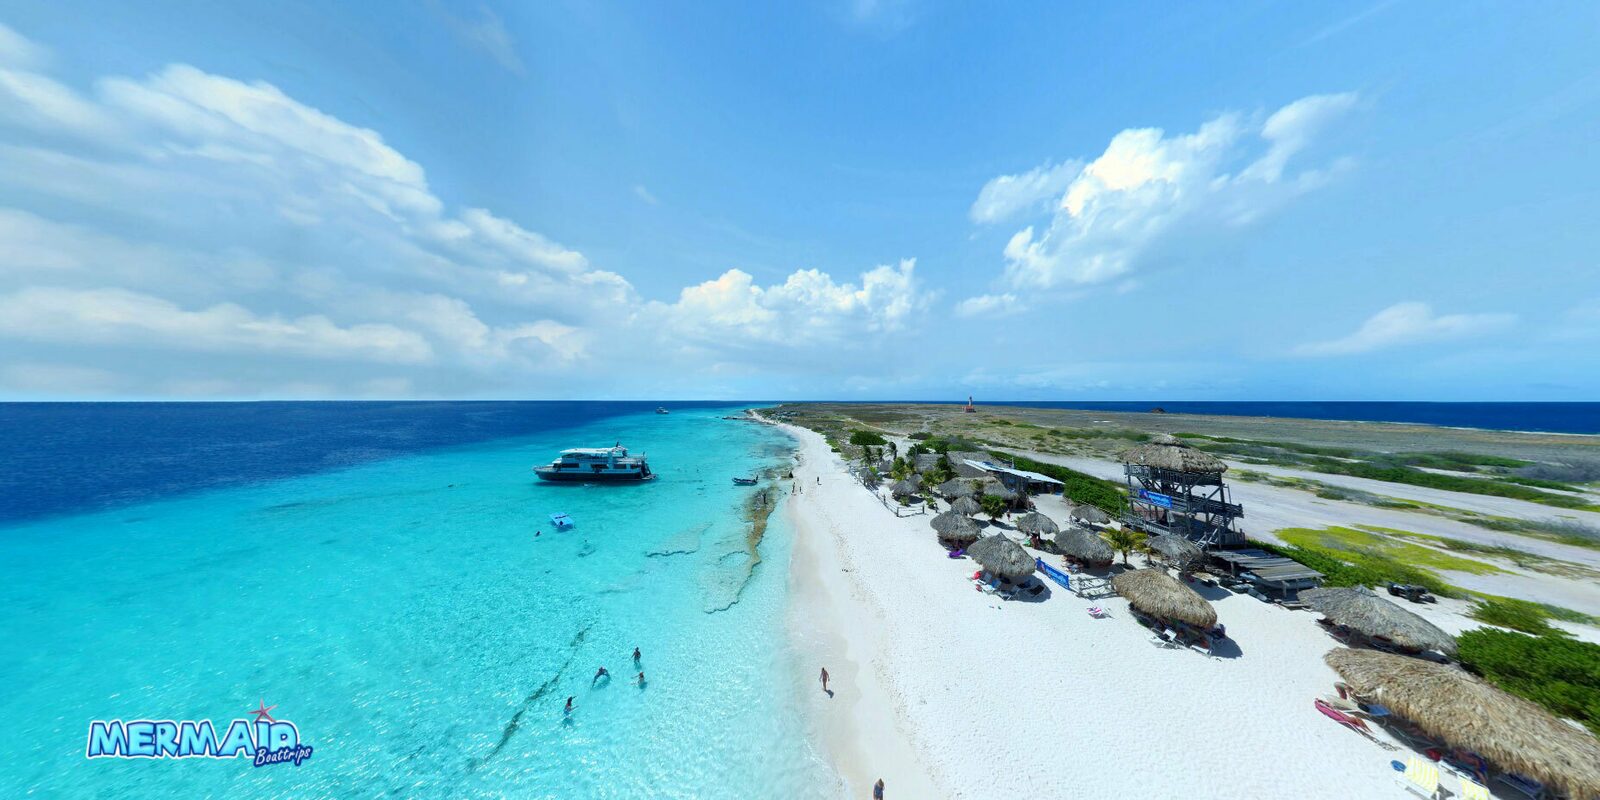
(1421, 778)
(1472, 790)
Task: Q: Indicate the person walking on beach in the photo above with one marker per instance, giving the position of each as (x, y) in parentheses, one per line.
(877, 790)
(825, 681)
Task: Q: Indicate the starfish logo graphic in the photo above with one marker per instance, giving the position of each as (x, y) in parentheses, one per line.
(261, 712)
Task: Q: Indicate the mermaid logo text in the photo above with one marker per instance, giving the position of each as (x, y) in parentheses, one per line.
(264, 741)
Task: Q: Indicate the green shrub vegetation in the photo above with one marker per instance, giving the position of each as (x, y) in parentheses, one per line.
(867, 438)
(1520, 615)
(1452, 483)
(1078, 487)
(1347, 568)
(1377, 545)
(1562, 675)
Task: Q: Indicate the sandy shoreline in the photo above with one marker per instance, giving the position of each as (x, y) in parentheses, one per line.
(946, 692)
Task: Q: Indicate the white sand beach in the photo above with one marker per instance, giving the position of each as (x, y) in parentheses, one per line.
(943, 691)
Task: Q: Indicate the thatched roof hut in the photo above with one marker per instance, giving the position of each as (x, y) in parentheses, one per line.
(1084, 546)
(1034, 522)
(1371, 615)
(1466, 712)
(1002, 557)
(956, 487)
(954, 529)
(1089, 515)
(1172, 453)
(1160, 595)
(1176, 550)
(905, 487)
(993, 486)
(967, 505)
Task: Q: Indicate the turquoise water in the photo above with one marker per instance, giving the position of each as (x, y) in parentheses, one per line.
(404, 616)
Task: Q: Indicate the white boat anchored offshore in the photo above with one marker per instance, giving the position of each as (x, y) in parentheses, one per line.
(662, 410)
(596, 465)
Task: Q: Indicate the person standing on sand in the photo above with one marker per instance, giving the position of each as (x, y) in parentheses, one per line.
(877, 790)
(825, 681)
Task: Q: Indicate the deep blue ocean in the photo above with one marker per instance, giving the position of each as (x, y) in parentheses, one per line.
(1544, 417)
(386, 575)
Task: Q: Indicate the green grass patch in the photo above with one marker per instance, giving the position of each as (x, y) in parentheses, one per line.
(1377, 545)
(1080, 488)
(1451, 483)
(1520, 615)
(1560, 674)
(1349, 568)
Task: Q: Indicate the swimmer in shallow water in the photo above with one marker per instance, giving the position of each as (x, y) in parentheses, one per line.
(569, 706)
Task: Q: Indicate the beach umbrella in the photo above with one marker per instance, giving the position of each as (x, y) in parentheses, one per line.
(1371, 615)
(956, 487)
(1171, 453)
(904, 488)
(1089, 515)
(1003, 557)
(1176, 550)
(954, 529)
(1084, 546)
(1160, 595)
(966, 505)
(1035, 523)
(1466, 712)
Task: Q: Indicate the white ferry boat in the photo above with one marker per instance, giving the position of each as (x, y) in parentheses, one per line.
(596, 464)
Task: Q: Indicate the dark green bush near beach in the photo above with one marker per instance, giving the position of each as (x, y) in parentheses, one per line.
(1452, 483)
(1078, 487)
(1353, 568)
(866, 439)
(921, 435)
(1560, 674)
(1521, 615)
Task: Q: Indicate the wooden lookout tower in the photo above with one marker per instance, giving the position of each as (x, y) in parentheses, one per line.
(1174, 488)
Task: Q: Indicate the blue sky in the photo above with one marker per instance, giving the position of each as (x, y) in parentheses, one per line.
(1269, 200)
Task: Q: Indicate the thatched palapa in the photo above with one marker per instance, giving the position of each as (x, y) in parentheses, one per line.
(1176, 550)
(1003, 557)
(1172, 453)
(967, 505)
(954, 529)
(1084, 546)
(904, 488)
(1371, 615)
(1160, 595)
(1089, 515)
(1036, 523)
(956, 487)
(1468, 713)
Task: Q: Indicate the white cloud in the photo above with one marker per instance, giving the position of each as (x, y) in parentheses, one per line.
(988, 304)
(488, 34)
(644, 194)
(1008, 195)
(1148, 185)
(1407, 323)
(17, 51)
(114, 317)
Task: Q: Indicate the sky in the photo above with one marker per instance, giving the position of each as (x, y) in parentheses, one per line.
(845, 199)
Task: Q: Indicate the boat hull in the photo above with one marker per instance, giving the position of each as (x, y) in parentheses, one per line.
(573, 476)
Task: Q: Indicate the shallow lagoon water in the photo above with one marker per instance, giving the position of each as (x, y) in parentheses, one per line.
(404, 616)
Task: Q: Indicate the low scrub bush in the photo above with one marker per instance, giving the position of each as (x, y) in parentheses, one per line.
(1562, 675)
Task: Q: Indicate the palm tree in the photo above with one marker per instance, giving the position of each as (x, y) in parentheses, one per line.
(1124, 540)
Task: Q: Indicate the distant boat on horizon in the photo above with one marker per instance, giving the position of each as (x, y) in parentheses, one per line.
(662, 410)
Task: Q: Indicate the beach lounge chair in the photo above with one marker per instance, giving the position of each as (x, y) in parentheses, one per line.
(1526, 787)
(1472, 790)
(1350, 721)
(1421, 778)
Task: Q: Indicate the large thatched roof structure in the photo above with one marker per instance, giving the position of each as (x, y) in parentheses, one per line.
(954, 529)
(1466, 712)
(1172, 453)
(1084, 546)
(1002, 557)
(1034, 522)
(993, 486)
(904, 487)
(1160, 595)
(1176, 550)
(1371, 615)
(966, 505)
(1089, 515)
(956, 487)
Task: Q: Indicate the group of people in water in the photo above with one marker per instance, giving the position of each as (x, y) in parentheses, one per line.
(602, 672)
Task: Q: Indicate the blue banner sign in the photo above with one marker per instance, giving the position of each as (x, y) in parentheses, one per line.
(1053, 574)
(1156, 497)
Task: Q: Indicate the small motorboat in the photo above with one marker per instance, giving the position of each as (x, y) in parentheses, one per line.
(662, 410)
(744, 481)
(562, 520)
